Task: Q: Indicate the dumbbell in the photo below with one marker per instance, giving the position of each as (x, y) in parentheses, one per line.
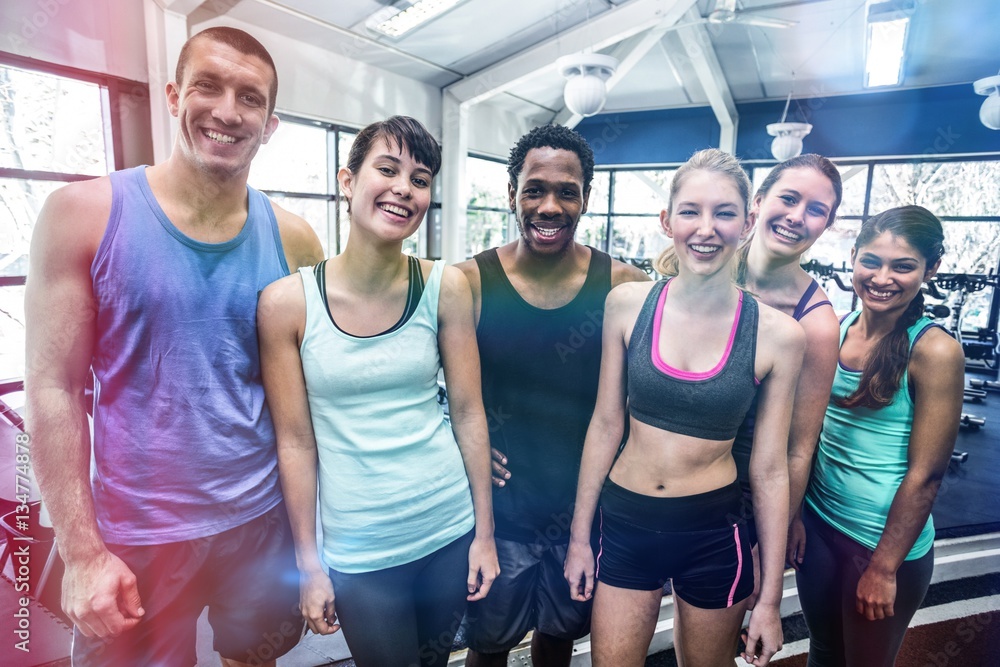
(959, 457)
(987, 385)
(970, 395)
(971, 422)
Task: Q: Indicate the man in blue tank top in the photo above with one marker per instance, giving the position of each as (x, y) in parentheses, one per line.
(148, 279)
(539, 310)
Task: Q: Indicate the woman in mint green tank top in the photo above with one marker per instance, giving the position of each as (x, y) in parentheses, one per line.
(887, 438)
(351, 352)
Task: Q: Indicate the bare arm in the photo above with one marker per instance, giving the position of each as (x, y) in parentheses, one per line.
(783, 350)
(937, 373)
(281, 315)
(301, 245)
(460, 359)
(99, 591)
(626, 273)
(812, 395)
(601, 444)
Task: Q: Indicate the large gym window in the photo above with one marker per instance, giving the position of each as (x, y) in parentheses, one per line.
(55, 127)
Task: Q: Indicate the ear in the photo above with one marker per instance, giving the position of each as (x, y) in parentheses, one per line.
(270, 127)
(586, 200)
(173, 92)
(931, 271)
(854, 253)
(345, 179)
(512, 196)
(665, 223)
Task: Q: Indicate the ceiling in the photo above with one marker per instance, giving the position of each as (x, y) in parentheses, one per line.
(504, 50)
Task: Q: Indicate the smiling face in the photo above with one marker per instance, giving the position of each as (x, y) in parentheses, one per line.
(222, 108)
(707, 220)
(389, 194)
(549, 199)
(888, 273)
(794, 212)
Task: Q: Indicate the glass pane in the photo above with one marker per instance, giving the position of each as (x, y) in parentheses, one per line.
(484, 229)
(411, 245)
(487, 183)
(970, 247)
(637, 237)
(944, 188)
(294, 160)
(344, 143)
(313, 211)
(11, 332)
(643, 192)
(50, 123)
(20, 202)
(855, 179)
(599, 192)
(592, 231)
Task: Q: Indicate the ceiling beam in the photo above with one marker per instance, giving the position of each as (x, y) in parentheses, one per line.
(603, 31)
(629, 53)
(705, 62)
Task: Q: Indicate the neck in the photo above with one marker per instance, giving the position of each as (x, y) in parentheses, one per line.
(876, 325)
(766, 270)
(208, 198)
(704, 293)
(549, 267)
(370, 268)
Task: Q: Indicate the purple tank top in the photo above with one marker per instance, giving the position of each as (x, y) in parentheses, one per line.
(183, 441)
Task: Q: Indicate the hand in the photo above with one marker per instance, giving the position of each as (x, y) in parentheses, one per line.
(796, 548)
(484, 567)
(500, 474)
(763, 638)
(579, 571)
(316, 602)
(101, 597)
(876, 594)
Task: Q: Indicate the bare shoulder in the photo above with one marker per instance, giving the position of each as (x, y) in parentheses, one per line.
(75, 216)
(283, 299)
(454, 281)
(622, 272)
(627, 297)
(777, 330)
(470, 269)
(821, 326)
(302, 246)
(936, 352)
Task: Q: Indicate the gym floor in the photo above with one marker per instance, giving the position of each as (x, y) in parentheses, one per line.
(968, 502)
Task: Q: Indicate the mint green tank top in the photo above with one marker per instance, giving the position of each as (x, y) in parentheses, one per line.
(862, 457)
(392, 482)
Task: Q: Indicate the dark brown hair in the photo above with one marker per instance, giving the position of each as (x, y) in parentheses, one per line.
(243, 42)
(884, 367)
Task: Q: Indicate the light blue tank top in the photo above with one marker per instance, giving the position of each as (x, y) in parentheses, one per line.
(183, 441)
(392, 482)
(862, 457)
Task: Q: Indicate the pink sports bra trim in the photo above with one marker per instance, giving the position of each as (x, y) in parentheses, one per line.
(666, 368)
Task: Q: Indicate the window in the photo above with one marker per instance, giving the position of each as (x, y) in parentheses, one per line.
(56, 126)
(489, 222)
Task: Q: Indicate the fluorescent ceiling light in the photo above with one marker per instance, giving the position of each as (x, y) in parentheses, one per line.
(400, 19)
(887, 25)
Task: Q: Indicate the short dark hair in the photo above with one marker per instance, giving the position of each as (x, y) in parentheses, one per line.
(243, 42)
(551, 136)
(407, 132)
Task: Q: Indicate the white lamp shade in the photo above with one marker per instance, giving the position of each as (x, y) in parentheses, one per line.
(786, 146)
(989, 113)
(585, 94)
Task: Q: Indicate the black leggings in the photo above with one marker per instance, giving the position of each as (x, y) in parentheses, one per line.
(828, 581)
(405, 616)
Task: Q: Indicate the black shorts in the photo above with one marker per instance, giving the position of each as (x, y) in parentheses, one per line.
(530, 593)
(700, 542)
(247, 578)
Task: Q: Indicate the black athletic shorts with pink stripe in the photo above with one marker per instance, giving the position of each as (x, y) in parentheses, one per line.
(699, 542)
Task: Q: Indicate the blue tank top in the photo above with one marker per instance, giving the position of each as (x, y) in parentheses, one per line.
(863, 456)
(709, 405)
(183, 441)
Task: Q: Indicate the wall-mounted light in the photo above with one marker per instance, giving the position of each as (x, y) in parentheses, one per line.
(585, 92)
(989, 113)
(887, 29)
